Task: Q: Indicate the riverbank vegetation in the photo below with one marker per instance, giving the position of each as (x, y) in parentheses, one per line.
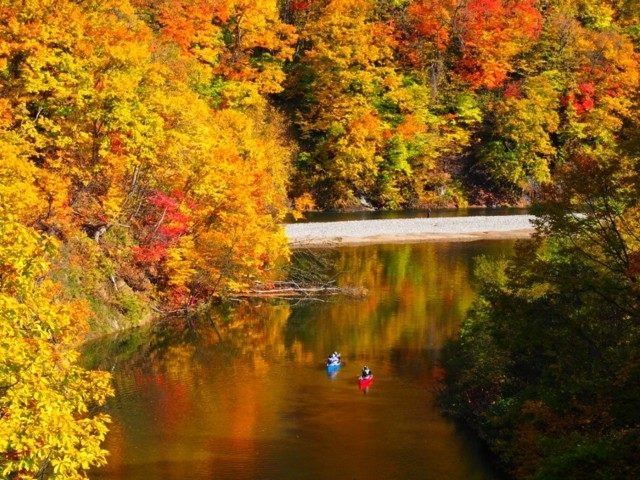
(151, 148)
(142, 167)
(547, 366)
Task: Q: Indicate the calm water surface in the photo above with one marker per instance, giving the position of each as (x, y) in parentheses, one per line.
(254, 401)
(409, 213)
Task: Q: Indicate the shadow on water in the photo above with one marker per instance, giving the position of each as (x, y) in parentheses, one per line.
(311, 217)
(259, 403)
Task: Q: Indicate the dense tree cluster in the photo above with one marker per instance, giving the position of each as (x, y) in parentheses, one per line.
(444, 102)
(547, 366)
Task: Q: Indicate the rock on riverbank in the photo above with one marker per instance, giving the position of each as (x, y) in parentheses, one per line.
(409, 230)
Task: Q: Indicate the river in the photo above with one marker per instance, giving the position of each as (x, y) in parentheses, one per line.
(404, 214)
(252, 400)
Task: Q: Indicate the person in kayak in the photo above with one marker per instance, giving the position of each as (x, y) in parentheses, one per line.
(334, 359)
(366, 372)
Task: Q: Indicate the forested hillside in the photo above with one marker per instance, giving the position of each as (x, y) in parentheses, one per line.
(141, 165)
(447, 102)
(149, 150)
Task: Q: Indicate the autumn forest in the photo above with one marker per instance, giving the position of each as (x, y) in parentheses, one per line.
(151, 149)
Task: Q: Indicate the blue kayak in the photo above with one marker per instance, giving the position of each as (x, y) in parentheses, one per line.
(332, 368)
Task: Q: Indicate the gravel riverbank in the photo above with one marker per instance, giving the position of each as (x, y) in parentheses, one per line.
(409, 230)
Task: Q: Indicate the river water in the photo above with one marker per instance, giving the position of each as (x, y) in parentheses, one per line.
(402, 214)
(251, 399)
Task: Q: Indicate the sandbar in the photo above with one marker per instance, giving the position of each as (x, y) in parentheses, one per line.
(409, 230)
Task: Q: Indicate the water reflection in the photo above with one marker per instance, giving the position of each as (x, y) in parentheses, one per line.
(256, 401)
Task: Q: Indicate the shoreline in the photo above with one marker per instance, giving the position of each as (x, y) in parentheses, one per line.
(415, 230)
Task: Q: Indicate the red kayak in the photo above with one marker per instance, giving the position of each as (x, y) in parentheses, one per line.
(365, 382)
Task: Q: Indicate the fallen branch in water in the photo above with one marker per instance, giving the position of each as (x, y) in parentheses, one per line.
(287, 290)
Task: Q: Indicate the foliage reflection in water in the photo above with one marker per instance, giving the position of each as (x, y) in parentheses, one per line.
(258, 403)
